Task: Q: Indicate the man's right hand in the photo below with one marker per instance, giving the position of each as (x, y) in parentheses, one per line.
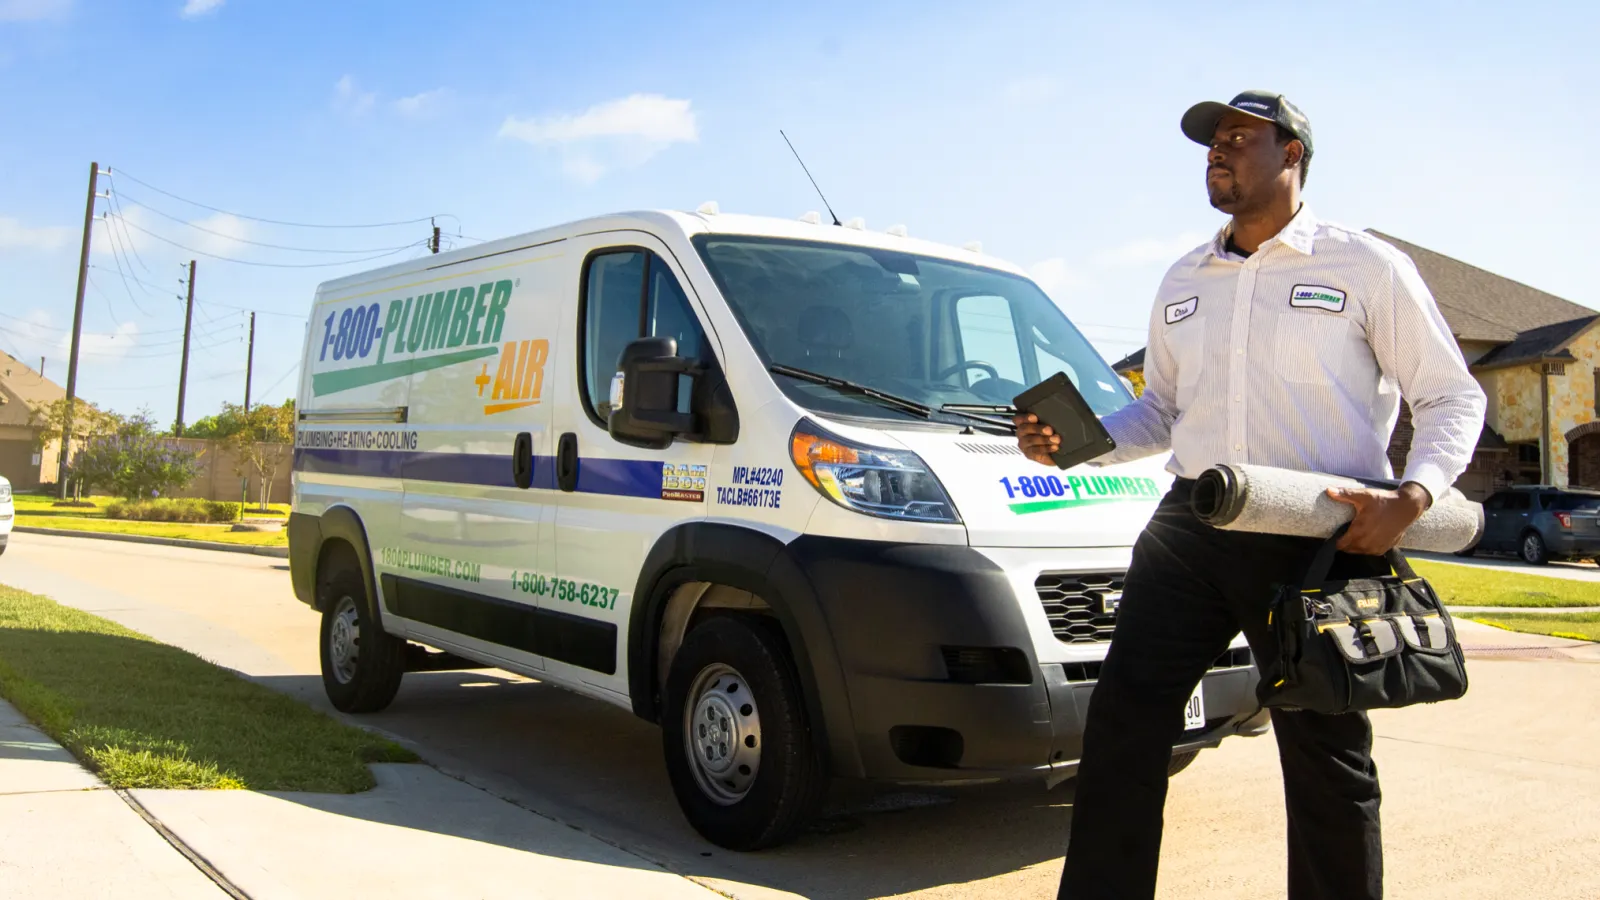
(1037, 440)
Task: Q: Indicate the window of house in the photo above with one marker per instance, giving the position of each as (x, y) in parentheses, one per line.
(629, 294)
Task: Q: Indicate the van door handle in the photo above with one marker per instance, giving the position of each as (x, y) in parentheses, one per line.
(567, 462)
(522, 461)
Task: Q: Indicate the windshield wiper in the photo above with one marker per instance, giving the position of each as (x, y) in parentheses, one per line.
(903, 404)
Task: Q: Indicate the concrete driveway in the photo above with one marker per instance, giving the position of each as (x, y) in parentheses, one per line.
(1489, 797)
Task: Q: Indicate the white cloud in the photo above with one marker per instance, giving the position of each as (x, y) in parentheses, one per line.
(16, 236)
(421, 105)
(1058, 279)
(104, 346)
(1031, 91)
(1148, 251)
(350, 98)
(33, 10)
(196, 8)
(220, 234)
(617, 133)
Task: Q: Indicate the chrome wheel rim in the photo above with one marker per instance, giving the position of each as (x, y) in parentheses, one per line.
(1530, 547)
(722, 734)
(344, 640)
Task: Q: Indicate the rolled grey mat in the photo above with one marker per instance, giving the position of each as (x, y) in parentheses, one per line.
(1284, 501)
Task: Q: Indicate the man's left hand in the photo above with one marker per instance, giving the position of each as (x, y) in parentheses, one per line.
(1381, 516)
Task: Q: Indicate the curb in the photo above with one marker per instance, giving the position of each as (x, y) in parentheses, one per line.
(278, 552)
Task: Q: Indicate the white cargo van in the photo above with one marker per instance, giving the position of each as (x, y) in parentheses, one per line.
(749, 478)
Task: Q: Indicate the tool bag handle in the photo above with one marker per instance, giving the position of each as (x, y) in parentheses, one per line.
(1322, 563)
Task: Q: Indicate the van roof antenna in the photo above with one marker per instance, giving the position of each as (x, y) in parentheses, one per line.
(808, 175)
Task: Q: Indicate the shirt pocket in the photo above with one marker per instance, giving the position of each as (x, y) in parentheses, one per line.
(1309, 347)
(1186, 344)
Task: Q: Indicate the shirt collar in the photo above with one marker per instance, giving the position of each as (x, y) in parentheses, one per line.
(1300, 234)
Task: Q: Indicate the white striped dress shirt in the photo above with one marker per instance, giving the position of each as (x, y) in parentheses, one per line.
(1297, 357)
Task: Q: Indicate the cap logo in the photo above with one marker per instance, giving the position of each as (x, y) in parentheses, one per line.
(1253, 104)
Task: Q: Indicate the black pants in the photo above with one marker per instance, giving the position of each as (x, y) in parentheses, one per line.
(1189, 590)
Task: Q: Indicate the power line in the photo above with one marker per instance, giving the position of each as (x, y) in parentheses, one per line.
(264, 312)
(280, 379)
(116, 257)
(241, 240)
(116, 205)
(270, 265)
(279, 221)
(106, 297)
(142, 283)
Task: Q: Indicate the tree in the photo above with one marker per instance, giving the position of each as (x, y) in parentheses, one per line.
(88, 420)
(223, 425)
(262, 444)
(1137, 378)
(134, 461)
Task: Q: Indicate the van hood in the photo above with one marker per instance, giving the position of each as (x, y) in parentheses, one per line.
(1007, 500)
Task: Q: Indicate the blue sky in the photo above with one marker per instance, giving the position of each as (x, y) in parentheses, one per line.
(1046, 130)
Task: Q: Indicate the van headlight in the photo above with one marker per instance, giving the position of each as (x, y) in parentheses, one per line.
(893, 484)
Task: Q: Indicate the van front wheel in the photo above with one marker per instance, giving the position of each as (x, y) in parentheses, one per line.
(361, 665)
(738, 748)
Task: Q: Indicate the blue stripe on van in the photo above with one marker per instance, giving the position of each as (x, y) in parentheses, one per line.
(596, 475)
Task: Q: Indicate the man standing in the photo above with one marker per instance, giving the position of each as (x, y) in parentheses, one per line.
(1285, 341)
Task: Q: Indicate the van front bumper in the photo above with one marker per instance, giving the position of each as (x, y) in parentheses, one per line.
(896, 613)
(922, 732)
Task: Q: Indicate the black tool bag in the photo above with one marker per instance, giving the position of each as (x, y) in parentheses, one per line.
(1368, 643)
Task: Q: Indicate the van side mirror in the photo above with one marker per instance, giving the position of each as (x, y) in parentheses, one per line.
(644, 401)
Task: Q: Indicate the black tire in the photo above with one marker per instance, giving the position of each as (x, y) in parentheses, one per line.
(1533, 550)
(1468, 552)
(1181, 761)
(740, 660)
(361, 665)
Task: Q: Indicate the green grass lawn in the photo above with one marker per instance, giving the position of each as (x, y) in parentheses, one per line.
(187, 531)
(1580, 626)
(43, 505)
(1471, 586)
(146, 715)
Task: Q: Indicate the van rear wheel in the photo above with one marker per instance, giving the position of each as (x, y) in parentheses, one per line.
(738, 747)
(361, 665)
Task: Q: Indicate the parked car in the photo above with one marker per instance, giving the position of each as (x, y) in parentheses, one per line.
(8, 513)
(1540, 523)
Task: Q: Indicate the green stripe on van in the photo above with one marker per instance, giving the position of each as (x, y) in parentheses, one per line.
(1037, 506)
(345, 379)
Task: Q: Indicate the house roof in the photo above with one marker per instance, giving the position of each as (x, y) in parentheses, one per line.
(1133, 361)
(1478, 305)
(1534, 345)
(1483, 306)
(21, 389)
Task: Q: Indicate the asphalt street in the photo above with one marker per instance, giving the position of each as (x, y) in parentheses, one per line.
(1488, 797)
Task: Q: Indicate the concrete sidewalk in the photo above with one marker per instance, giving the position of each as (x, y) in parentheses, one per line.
(419, 834)
(1480, 640)
(64, 834)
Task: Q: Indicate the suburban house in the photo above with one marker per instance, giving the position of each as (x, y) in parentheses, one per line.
(1537, 357)
(22, 389)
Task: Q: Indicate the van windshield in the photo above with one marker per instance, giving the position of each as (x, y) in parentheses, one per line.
(929, 330)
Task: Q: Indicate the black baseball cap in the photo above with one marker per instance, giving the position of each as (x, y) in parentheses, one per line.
(1199, 124)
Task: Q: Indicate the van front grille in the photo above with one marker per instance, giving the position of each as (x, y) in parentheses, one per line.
(1081, 607)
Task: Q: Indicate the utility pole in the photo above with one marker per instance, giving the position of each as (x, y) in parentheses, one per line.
(77, 333)
(250, 362)
(183, 370)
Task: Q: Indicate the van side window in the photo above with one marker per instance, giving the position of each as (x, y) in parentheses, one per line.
(631, 294)
(989, 334)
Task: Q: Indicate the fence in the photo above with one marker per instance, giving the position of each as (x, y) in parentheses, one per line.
(219, 479)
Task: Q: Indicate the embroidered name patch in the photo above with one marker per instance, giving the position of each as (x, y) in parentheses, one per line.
(1315, 296)
(1177, 312)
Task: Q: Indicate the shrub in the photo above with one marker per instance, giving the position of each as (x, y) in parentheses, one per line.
(134, 461)
(223, 510)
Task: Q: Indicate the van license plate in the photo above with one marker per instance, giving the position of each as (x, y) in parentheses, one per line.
(1194, 712)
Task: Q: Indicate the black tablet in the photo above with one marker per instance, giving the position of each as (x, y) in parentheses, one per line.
(1057, 403)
